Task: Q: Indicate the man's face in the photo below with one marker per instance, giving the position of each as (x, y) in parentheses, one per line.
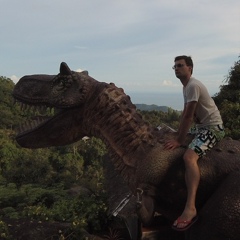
(181, 69)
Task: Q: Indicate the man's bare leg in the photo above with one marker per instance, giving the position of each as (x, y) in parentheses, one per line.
(192, 178)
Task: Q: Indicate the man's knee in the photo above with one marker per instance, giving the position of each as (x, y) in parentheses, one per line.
(190, 157)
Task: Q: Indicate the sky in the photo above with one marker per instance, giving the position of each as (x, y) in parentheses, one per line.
(131, 43)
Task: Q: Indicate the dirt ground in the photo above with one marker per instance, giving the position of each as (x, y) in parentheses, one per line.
(24, 229)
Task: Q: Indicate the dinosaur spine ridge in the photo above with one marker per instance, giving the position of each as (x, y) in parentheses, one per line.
(116, 121)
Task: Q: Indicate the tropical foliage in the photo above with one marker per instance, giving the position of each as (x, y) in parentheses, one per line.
(228, 101)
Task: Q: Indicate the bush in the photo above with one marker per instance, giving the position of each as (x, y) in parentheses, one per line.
(4, 233)
(10, 196)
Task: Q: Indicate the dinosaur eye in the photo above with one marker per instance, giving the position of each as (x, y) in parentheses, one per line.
(61, 82)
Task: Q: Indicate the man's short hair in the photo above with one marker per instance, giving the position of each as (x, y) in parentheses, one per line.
(188, 60)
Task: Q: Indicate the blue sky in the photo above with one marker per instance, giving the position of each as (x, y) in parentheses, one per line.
(129, 42)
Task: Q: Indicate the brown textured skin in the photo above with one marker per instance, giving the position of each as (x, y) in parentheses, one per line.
(92, 108)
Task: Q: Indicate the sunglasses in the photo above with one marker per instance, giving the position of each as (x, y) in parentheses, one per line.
(179, 65)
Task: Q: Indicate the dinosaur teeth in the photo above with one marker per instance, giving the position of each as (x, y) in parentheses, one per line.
(23, 106)
(37, 114)
(31, 124)
(34, 108)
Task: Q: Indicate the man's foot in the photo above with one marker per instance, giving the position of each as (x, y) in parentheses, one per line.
(182, 225)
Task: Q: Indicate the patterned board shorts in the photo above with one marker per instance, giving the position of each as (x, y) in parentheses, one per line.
(206, 138)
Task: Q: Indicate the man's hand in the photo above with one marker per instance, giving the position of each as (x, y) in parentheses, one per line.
(171, 144)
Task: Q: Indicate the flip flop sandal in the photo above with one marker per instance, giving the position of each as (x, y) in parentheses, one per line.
(188, 224)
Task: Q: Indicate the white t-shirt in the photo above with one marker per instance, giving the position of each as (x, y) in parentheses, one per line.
(206, 113)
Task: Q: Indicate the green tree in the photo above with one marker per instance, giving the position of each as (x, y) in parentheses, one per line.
(228, 101)
(157, 118)
(92, 150)
(9, 116)
(26, 166)
(67, 165)
(8, 151)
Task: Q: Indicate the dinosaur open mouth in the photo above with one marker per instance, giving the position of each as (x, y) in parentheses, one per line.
(45, 126)
(35, 115)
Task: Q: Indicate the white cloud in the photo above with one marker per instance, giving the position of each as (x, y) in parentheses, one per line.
(169, 83)
(79, 70)
(14, 78)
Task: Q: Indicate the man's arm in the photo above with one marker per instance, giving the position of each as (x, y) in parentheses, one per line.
(186, 121)
(181, 118)
(185, 124)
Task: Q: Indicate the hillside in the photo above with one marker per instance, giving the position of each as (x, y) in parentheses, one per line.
(152, 107)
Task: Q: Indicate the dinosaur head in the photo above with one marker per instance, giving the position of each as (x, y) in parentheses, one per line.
(65, 90)
(66, 93)
(68, 88)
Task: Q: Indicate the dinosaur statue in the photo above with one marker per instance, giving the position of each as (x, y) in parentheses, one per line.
(86, 107)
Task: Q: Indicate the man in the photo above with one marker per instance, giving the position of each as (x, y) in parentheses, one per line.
(200, 108)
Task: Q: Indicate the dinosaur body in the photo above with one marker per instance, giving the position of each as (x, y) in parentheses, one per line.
(87, 107)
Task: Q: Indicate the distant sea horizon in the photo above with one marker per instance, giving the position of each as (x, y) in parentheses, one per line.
(172, 100)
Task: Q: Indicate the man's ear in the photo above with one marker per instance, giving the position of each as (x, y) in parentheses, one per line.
(191, 69)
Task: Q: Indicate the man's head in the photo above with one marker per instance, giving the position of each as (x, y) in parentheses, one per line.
(183, 66)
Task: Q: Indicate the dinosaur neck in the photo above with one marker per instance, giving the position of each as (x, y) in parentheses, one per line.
(113, 118)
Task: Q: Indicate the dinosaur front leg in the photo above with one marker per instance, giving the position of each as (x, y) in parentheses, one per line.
(219, 219)
(146, 203)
